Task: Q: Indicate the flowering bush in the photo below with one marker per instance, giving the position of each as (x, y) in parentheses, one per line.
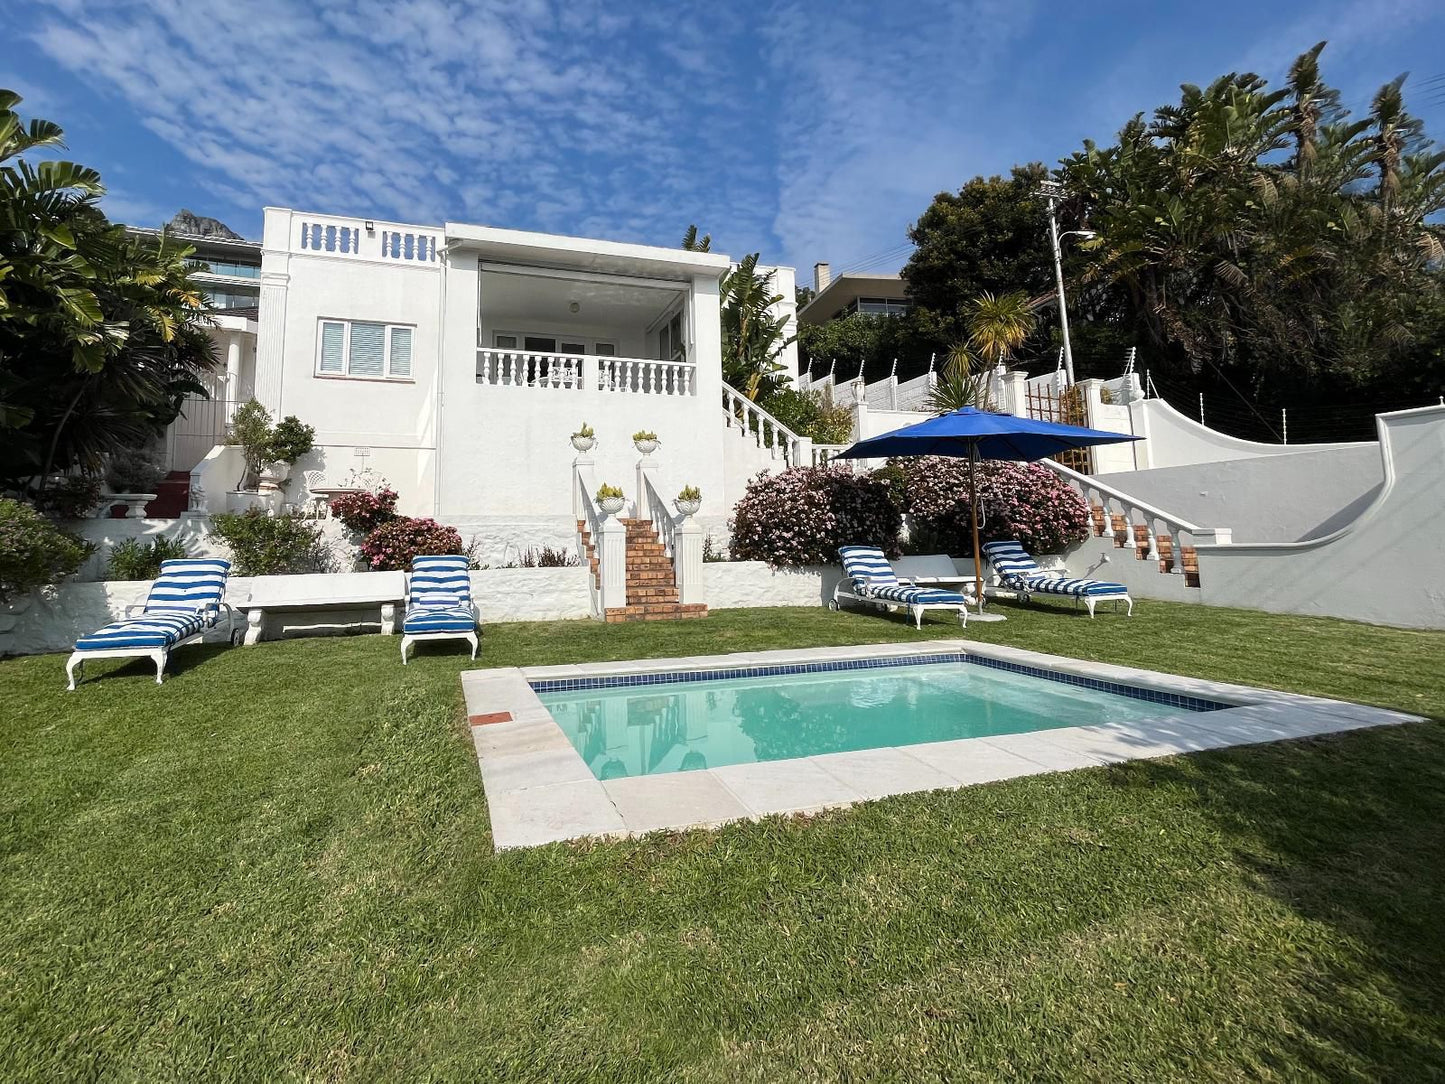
(364, 512)
(391, 546)
(33, 551)
(1025, 501)
(802, 515)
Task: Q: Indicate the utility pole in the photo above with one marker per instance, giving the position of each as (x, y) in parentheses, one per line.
(1051, 191)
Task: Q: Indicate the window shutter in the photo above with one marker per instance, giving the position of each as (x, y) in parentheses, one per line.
(333, 338)
(367, 349)
(400, 361)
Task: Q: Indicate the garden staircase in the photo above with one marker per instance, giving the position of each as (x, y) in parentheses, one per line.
(1115, 524)
(173, 496)
(651, 584)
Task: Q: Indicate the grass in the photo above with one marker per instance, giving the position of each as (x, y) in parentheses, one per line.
(278, 865)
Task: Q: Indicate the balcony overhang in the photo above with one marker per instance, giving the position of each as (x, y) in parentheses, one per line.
(545, 250)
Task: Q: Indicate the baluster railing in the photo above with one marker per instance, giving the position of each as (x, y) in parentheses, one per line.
(1151, 533)
(574, 372)
(752, 421)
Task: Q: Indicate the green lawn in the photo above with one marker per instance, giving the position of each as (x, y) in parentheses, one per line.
(278, 865)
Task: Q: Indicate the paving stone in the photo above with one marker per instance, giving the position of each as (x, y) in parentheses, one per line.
(785, 786)
(877, 773)
(673, 800)
(529, 818)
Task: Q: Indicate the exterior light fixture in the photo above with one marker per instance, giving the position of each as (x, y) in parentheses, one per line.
(574, 307)
(370, 226)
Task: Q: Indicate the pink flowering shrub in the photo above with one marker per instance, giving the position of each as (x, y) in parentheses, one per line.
(802, 515)
(1023, 501)
(391, 546)
(365, 511)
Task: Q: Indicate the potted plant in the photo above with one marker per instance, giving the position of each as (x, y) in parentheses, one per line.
(610, 500)
(267, 452)
(290, 440)
(688, 501)
(132, 477)
(584, 438)
(645, 441)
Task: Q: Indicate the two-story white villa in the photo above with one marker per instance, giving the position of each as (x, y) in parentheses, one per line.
(455, 361)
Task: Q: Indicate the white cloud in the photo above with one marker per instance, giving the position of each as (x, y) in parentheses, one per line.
(522, 114)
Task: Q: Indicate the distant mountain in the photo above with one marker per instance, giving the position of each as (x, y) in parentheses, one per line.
(193, 225)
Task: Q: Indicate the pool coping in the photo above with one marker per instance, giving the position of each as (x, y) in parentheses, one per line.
(540, 790)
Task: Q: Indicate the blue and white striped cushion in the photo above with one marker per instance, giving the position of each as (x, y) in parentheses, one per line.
(439, 583)
(436, 619)
(188, 584)
(1075, 588)
(867, 567)
(1021, 572)
(916, 596)
(145, 632)
(1010, 561)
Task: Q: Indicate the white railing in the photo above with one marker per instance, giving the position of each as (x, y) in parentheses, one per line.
(823, 454)
(753, 422)
(334, 235)
(573, 372)
(587, 511)
(655, 508)
(1135, 513)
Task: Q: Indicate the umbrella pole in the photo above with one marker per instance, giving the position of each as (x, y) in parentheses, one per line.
(973, 515)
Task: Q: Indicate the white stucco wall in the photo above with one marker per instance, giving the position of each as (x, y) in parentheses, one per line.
(53, 618)
(1274, 498)
(1173, 440)
(733, 584)
(1385, 566)
(394, 419)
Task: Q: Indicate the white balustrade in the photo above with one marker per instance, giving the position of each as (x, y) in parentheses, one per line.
(609, 542)
(331, 235)
(1134, 513)
(754, 423)
(681, 538)
(573, 372)
(823, 454)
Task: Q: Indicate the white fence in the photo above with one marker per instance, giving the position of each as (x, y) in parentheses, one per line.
(573, 372)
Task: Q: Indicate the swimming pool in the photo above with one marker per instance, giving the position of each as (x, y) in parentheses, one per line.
(634, 725)
(618, 748)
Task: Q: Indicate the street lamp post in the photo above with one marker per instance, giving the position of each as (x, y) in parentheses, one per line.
(1052, 191)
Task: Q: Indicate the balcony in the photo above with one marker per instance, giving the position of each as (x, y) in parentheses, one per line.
(575, 372)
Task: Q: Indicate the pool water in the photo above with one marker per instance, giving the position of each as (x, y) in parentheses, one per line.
(652, 728)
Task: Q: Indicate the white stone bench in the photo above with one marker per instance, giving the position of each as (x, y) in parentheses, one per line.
(323, 591)
(931, 570)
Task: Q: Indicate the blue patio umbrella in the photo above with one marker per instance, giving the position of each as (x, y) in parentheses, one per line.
(975, 434)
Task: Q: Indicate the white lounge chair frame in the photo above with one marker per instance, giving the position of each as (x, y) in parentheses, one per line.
(410, 638)
(75, 665)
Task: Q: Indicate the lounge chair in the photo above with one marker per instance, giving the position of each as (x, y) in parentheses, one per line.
(869, 578)
(184, 601)
(1019, 572)
(439, 603)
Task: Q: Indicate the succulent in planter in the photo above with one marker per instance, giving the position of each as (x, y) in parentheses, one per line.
(584, 438)
(645, 440)
(688, 501)
(610, 499)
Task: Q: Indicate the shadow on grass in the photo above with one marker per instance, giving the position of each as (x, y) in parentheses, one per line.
(1345, 831)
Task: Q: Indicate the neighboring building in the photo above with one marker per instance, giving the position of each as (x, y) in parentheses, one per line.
(455, 360)
(228, 267)
(845, 294)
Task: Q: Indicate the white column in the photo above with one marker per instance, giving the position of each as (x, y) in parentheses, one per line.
(687, 562)
(271, 322)
(460, 488)
(1015, 393)
(612, 564)
(233, 372)
(646, 465)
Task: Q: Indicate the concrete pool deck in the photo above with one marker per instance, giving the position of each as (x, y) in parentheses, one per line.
(540, 790)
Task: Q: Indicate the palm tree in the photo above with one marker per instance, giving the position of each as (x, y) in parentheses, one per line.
(1395, 131)
(753, 335)
(693, 243)
(998, 326)
(962, 383)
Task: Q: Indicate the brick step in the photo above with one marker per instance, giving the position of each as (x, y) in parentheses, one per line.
(673, 613)
(648, 598)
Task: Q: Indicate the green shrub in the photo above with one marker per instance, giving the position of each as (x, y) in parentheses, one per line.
(263, 545)
(391, 546)
(33, 551)
(810, 415)
(74, 497)
(129, 560)
(135, 470)
(291, 439)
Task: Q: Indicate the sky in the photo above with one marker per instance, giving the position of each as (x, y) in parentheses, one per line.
(806, 131)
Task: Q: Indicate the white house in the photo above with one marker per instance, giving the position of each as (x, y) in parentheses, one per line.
(456, 360)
